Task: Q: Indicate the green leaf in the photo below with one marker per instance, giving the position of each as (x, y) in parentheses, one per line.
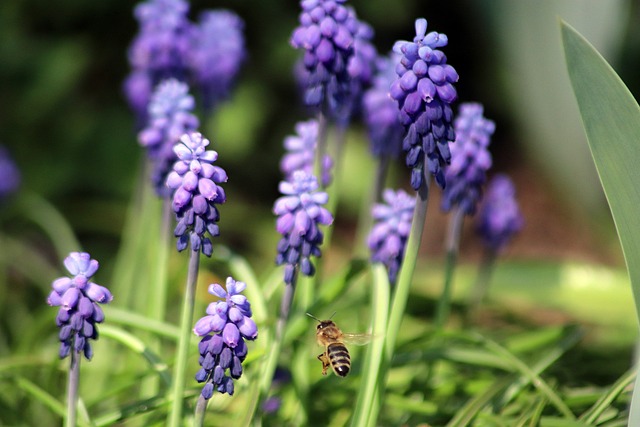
(611, 119)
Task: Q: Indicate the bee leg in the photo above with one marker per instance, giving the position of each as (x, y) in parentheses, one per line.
(325, 362)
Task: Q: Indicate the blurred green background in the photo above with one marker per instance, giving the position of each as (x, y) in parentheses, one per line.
(65, 121)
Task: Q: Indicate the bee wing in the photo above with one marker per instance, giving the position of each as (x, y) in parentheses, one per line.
(357, 339)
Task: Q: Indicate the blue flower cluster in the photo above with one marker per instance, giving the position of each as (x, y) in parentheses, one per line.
(470, 159)
(195, 180)
(224, 330)
(78, 299)
(391, 230)
(424, 91)
(301, 151)
(499, 217)
(300, 213)
(170, 117)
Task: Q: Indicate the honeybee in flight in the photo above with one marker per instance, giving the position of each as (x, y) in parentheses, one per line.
(333, 340)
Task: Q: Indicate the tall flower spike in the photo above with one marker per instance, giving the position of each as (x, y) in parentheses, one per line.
(470, 159)
(9, 174)
(381, 112)
(170, 117)
(300, 213)
(424, 91)
(499, 217)
(390, 232)
(217, 53)
(195, 180)
(159, 51)
(224, 330)
(326, 33)
(301, 151)
(78, 299)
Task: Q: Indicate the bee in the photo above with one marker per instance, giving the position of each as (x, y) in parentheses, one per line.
(333, 340)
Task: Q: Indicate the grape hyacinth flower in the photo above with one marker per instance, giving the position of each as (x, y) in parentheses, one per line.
(9, 174)
(301, 151)
(424, 91)
(170, 117)
(224, 330)
(195, 180)
(381, 112)
(470, 159)
(391, 230)
(218, 51)
(326, 33)
(78, 299)
(499, 217)
(159, 51)
(300, 212)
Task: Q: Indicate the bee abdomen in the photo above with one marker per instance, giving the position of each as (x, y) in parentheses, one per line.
(339, 358)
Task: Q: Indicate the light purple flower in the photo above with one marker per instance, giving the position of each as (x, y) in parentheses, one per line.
(78, 299)
(9, 174)
(301, 152)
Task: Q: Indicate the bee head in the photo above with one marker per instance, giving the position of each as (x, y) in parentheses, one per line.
(323, 323)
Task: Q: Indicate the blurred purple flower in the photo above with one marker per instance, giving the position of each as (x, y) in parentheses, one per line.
(300, 212)
(159, 51)
(217, 52)
(195, 180)
(424, 91)
(170, 117)
(381, 112)
(470, 159)
(301, 152)
(78, 299)
(224, 330)
(9, 174)
(499, 217)
(326, 33)
(391, 230)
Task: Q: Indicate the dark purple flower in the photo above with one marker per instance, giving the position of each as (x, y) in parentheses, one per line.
(9, 174)
(78, 299)
(159, 51)
(300, 212)
(424, 91)
(217, 52)
(326, 33)
(224, 330)
(381, 112)
(195, 180)
(499, 217)
(391, 230)
(301, 152)
(170, 117)
(470, 159)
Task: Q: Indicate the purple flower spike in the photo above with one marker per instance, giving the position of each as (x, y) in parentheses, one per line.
(9, 174)
(301, 151)
(195, 180)
(223, 352)
(159, 51)
(78, 301)
(381, 111)
(170, 117)
(217, 53)
(470, 159)
(499, 217)
(424, 92)
(390, 232)
(300, 213)
(326, 33)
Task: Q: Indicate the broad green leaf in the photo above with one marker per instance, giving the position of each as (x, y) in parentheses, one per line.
(611, 119)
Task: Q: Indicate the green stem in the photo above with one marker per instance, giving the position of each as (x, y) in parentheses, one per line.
(72, 389)
(201, 409)
(481, 285)
(186, 320)
(452, 246)
(365, 220)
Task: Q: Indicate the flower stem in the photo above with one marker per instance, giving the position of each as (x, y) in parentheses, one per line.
(365, 219)
(201, 409)
(72, 389)
(452, 246)
(481, 285)
(186, 320)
